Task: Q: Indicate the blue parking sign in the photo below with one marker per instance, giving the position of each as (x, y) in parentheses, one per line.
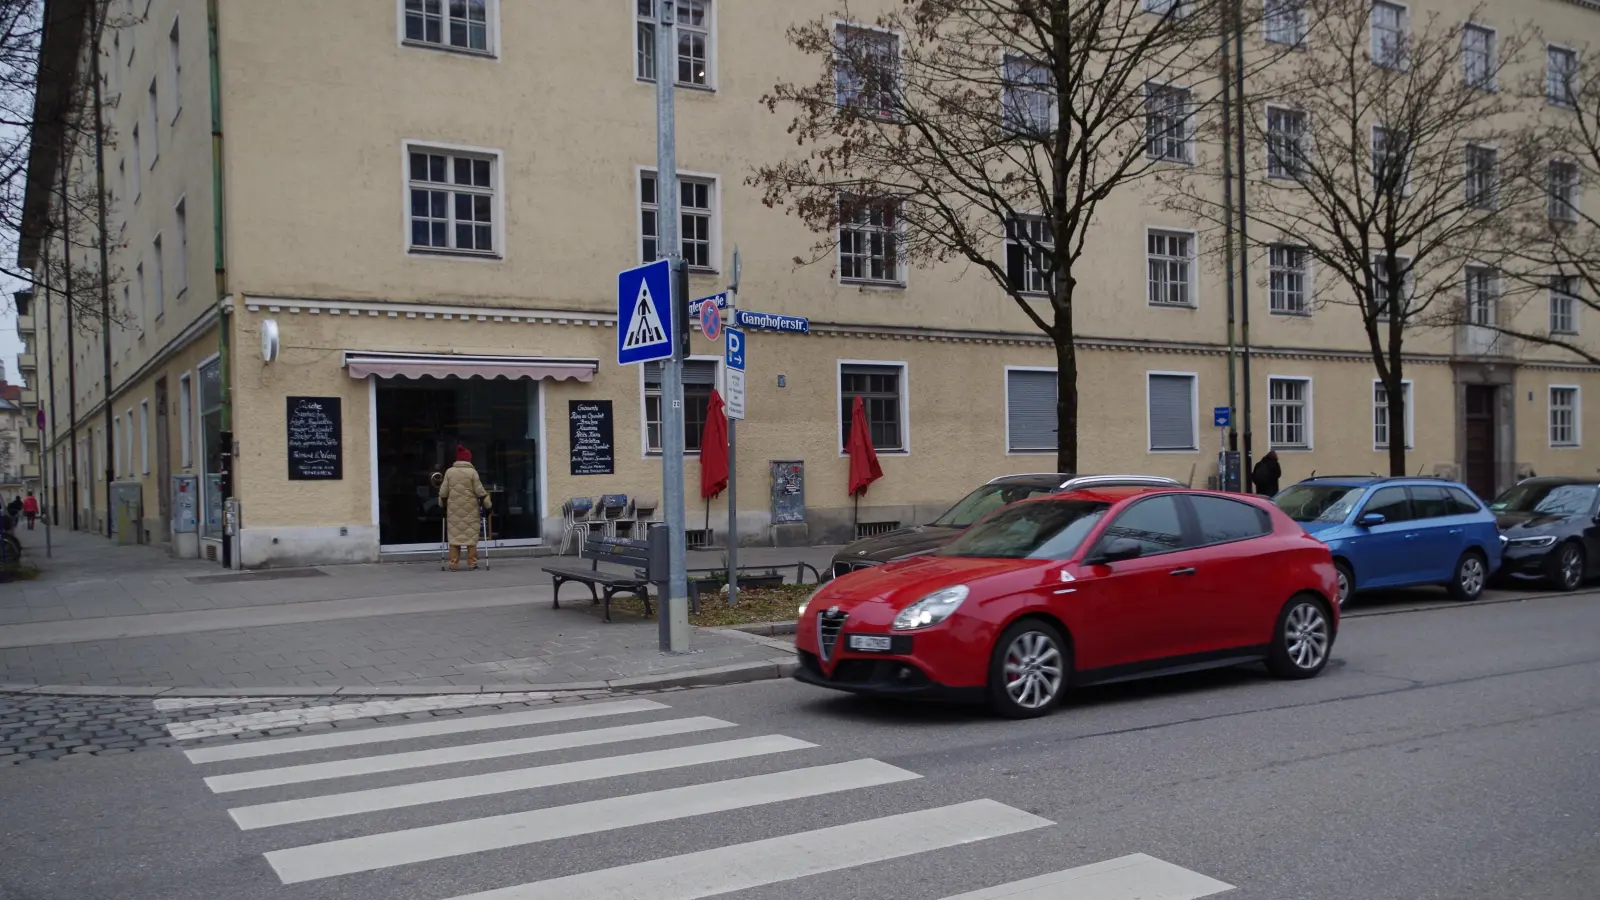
(735, 349)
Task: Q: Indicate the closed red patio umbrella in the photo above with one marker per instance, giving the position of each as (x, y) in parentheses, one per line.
(864, 468)
(714, 450)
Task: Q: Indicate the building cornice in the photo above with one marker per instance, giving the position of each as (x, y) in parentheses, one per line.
(436, 311)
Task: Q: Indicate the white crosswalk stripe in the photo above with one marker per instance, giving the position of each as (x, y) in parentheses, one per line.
(542, 817)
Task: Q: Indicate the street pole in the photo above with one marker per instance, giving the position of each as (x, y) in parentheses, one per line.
(733, 456)
(674, 612)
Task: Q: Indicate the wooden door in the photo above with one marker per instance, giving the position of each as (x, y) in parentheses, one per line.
(1482, 462)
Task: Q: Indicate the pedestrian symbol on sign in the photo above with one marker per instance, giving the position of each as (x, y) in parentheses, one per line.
(646, 328)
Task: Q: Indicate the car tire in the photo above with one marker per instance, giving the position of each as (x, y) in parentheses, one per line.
(1568, 566)
(1470, 575)
(1029, 669)
(1347, 582)
(1302, 639)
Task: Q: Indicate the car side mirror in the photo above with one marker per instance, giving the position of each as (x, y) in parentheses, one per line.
(1118, 550)
(1368, 520)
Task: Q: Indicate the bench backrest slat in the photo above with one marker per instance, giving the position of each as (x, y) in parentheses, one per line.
(617, 552)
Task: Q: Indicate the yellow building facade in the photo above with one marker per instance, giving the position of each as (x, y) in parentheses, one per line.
(410, 202)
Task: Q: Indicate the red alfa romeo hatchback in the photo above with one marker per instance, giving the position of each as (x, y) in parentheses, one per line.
(1086, 587)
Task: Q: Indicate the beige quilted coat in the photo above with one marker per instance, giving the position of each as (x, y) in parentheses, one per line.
(460, 493)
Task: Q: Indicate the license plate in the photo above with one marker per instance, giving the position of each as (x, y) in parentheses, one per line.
(869, 642)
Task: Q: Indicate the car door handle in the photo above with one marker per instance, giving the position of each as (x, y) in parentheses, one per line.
(1184, 571)
(1412, 536)
(1455, 531)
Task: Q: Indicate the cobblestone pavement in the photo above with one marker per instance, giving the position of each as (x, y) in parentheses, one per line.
(42, 728)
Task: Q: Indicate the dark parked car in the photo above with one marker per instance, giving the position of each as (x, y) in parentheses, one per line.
(1551, 530)
(904, 543)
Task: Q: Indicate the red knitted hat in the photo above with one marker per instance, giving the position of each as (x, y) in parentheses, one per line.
(463, 454)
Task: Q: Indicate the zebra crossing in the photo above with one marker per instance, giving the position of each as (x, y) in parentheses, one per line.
(382, 769)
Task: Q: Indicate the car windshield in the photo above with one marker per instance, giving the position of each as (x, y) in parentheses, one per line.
(1548, 499)
(986, 500)
(1044, 530)
(1319, 502)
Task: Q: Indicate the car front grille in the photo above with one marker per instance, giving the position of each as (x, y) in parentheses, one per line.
(845, 568)
(829, 624)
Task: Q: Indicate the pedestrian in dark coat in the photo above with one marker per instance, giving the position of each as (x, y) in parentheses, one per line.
(1267, 473)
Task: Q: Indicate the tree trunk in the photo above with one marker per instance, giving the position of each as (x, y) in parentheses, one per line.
(1395, 388)
(1066, 396)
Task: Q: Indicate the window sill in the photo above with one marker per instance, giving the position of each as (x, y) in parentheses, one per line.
(1384, 448)
(879, 452)
(452, 254)
(1173, 306)
(1174, 450)
(1291, 448)
(868, 283)
(656, 454)
(1566, 446)
(449, 48)
(1041, 452)
(683, 85)
(1284, 179)
(1562, 333)
(1290, 313)
(1171, 161)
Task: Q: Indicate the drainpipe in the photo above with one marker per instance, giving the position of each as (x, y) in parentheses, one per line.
(96, 23)
(49, 405)
(1227, 251)
(1244, 238)
(72, 350)
(220, 266)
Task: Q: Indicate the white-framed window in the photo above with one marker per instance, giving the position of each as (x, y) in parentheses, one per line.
(128, 435)
(1170, 261)
(870, 237)
(158, 293)
(452, 201)
(1289, 413)
(1564, 304)
(1478, 57)
(1288, 279)
(1284, 21)
(116, 448)
(1391, 164)
(153, 120)
(464, 25)
(1390, 34)
(137, 309)
(1384, 306)
(180, 227)
(1560, 75)
(1168, 117)
(1027, 98)
(185, 417)
(1565, 421)
(1030, 248)
(1172, 410)
(882, 389)
(1176, 8)
(135, 184)
(1561, 186)
(144, 437)
(867, 69)
(699, 380)
(1483, 292)
(1031, 410)
(693, 30)
(1483, 177)
(175, 67)
(697, 217)
(1380, 414)
(1286, 135)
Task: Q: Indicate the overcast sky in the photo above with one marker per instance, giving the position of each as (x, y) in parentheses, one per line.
(9, 344)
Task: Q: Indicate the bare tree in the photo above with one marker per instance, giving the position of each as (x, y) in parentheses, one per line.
(991, 131)
(1385, 156)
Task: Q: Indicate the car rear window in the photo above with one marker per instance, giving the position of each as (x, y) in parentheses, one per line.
(1047, 529)
(985, 500)
(1463, 502)
(1223, 520)
(1431, 502)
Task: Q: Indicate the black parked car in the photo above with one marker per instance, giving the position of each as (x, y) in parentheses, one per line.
(1003, 491)
(1551, 530)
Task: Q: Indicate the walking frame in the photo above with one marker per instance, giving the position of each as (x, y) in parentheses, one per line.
(483, 539)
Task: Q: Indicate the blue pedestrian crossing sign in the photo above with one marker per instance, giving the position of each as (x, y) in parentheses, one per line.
(644, 313)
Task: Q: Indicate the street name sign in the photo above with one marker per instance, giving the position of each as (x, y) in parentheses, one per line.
(772, 322)
(734, 357)
(720, 299)
(644, 313)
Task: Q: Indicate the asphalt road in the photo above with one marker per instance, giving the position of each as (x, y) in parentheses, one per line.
(1446, 753)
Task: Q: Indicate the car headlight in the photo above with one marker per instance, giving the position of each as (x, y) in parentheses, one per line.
(931, 610)
(1543, 540)
(809, 599)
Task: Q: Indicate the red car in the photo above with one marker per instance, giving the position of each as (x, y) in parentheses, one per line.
(1084, 587)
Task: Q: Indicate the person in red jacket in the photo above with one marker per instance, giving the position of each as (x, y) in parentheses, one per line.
(30, 508)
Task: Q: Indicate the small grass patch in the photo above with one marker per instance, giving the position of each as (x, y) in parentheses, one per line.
(755, 605)
(18, 572)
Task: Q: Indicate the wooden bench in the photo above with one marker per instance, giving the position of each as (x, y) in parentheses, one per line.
(635, 555)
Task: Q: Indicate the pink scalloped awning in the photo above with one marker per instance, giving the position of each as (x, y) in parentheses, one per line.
(469, 367)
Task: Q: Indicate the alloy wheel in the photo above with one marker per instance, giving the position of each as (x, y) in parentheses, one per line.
(1344, 588)
(1305, 633)
(1471, 576)
(1571, 567)
(1033, 670)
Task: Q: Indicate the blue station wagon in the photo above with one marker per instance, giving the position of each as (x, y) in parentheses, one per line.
(1398, 532)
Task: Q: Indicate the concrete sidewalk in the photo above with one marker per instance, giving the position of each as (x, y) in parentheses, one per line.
(130, 619)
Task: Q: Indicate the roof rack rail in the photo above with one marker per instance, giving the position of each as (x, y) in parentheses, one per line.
(1080, 481)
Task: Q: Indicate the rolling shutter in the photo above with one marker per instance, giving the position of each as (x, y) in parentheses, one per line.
(1030, 411)
(1172, 412)
(695, 371)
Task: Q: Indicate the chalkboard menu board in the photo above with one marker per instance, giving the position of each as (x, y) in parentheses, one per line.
(593, 452)
(315, 431)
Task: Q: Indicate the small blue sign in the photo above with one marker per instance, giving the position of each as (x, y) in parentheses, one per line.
(644, 313)
(772, 322)
(1221, 416)
(734, 352)
(720, 299)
